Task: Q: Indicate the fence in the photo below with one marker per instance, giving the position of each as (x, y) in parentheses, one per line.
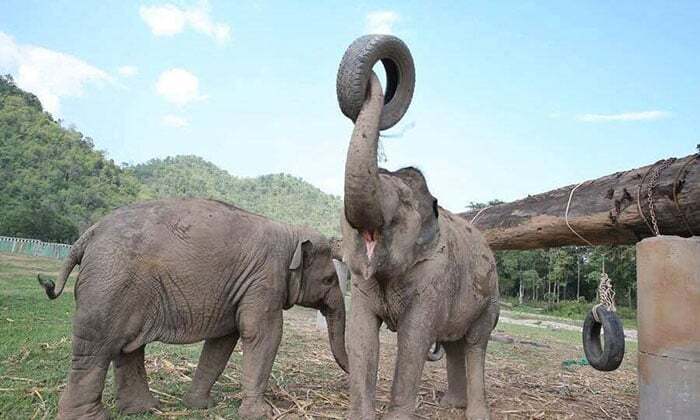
(33, 247)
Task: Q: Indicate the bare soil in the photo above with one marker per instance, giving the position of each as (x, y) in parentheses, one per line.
(523, 381)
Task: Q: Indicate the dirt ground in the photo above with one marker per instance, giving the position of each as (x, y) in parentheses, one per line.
(523, 381)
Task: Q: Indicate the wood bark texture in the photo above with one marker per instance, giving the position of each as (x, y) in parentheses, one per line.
(611, 210)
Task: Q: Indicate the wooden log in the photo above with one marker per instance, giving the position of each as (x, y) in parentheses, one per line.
(611, 210)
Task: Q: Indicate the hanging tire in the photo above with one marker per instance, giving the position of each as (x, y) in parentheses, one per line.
(355, 71)
(436, 352)
(608, 356)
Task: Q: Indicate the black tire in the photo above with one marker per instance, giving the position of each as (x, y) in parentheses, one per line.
(355, 71)
(436, 352)
(609, 356)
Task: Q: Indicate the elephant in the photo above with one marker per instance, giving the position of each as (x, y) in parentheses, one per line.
(422, 270)
(181, 271)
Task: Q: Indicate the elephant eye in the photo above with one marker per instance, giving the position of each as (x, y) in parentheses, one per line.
(329, 280)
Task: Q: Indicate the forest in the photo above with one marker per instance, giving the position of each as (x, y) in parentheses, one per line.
(54, 184)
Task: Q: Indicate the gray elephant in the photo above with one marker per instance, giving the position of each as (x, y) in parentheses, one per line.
(181, 271)
(425, 272)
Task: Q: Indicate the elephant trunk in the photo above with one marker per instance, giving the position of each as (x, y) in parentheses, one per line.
(363, 209)
(334, 311)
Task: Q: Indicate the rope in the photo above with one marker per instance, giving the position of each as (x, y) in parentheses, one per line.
(606, 294)
(566, 215)
(479, 214)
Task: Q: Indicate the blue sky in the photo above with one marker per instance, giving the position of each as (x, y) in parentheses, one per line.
(512, 98)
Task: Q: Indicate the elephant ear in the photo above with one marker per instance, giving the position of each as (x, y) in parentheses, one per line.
(336, 248)
(297, 257)
(295, 291)
(300, 253)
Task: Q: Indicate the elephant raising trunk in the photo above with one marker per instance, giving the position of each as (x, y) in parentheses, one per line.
(424, 272)
(363, 209)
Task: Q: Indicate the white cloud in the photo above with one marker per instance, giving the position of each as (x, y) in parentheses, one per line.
(50, 75)
(380, 22)
(178, 86)
(175, 121)
(625, 116)
(168, 20)
(128, 71)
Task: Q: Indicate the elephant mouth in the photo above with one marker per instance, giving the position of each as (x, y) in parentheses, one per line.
(370, 243)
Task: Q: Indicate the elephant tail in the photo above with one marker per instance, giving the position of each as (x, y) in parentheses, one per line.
(74, 258)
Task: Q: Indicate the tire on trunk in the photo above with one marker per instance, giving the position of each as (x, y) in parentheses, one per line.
(356, 68)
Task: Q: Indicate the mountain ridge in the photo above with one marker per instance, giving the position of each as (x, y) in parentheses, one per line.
(54, 183)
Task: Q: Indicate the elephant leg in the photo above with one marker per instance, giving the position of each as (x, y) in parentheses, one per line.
(82, 397)
(414, 341)
(476, 341)
(212, 362)
(261, 333)
(363, 355)
(476, 404)
(456, 395)
(133, 395)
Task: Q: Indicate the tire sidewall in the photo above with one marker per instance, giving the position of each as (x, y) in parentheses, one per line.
(610, 355)
(356, 69)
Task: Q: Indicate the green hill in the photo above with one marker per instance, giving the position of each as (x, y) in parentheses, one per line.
(54, 183)
(280, 196)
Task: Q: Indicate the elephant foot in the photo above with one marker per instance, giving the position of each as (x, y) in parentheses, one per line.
(254, 408)
(450, 400)
(198, 401)
(478, 413)
(138, 405)
(93, 412)
(398, 415)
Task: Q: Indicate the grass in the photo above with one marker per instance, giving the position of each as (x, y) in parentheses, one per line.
(570, 309)
(523, 381)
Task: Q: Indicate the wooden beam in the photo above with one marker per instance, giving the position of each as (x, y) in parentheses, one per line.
(604, 211)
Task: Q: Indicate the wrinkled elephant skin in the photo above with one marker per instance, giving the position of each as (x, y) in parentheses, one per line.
(426, 273)
(181, 271)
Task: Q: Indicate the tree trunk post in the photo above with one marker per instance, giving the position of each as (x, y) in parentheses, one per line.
(611, 210)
